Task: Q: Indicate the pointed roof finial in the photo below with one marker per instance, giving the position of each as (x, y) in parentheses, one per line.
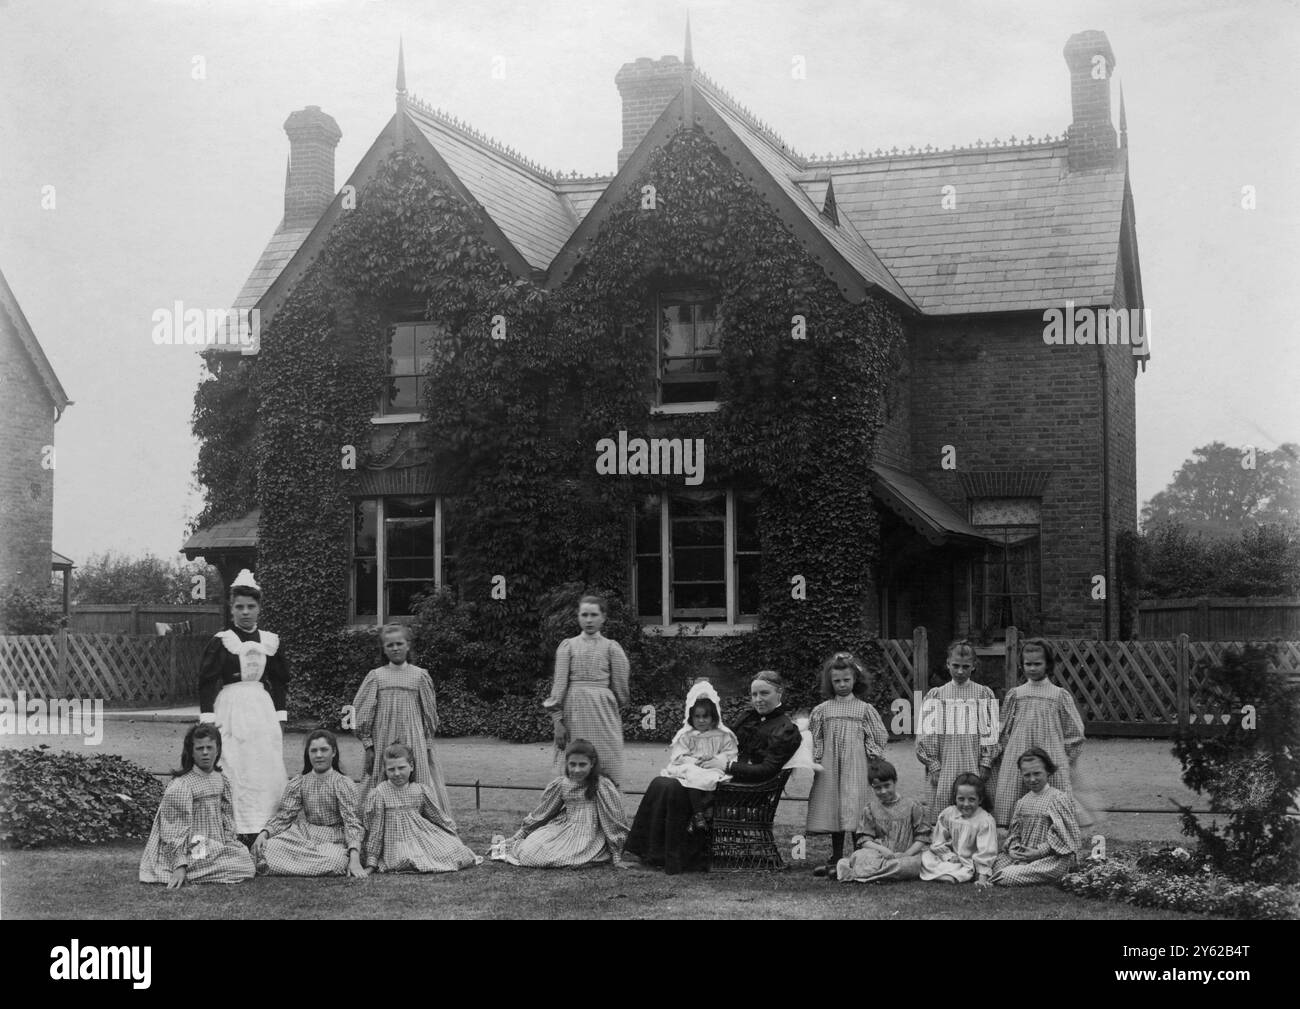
(689, 58)
(401, 68)
(1123, 118)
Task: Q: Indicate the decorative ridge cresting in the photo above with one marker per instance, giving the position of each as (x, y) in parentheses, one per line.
(1014, 143)
(757, 125)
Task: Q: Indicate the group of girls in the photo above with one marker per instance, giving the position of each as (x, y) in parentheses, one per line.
(1024, 830)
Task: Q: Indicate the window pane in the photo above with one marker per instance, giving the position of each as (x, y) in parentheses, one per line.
(647, 527)
(707, 600)
(411, 567)
(706, 328)
(398, 596)
(409, 507)
(649, 587)
(746, 523)
(403, 396)
(365, 527)
(401, 350)
(409, 538)
(422, 336)
(365, 588)
(748, 589)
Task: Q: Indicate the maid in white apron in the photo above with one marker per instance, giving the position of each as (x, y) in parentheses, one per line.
(243, 685)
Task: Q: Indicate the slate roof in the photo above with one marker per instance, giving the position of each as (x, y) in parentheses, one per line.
(275, 257)
(234, 534)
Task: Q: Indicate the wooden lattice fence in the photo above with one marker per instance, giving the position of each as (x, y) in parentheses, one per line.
(120, 669)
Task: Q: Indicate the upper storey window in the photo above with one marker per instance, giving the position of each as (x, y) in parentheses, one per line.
(689, 350)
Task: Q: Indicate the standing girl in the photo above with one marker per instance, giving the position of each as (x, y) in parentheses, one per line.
(590, 686)
(580, 820)
(1036, 713)
(1044, 834)
(964, 843)
(193, 837)
(243, 688)
(701, 737)
(406, 829)
(943, 752)
(316, 831)
(397, 702)
(846, 733)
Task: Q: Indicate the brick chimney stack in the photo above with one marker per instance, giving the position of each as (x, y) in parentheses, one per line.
(647, 87)
(309, 187)
(1091, 135)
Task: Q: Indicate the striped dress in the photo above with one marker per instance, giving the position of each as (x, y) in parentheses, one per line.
(961, 847)
(315, 826)
(397, 704)
(591, 683)
(195, 827)
(407, 831)
(1036, 714)
(1045, 818)
(845, 732)
(950, 753)
(567, 829)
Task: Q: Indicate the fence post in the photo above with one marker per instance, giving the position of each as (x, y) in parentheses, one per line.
(1184, 687)
(174, 669)
(1013, 653)
(65, 684)
(1203, 619)
(920, 664)
(135, 618)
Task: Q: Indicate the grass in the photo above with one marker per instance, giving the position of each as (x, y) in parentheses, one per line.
(100, 883)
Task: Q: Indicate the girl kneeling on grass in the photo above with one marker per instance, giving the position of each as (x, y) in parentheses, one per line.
(1044, 834)
(965, 840)
(406, 829)
(193, 837)
(317, 830)
(580, 820)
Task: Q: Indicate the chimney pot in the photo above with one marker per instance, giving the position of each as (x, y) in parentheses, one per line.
(1091, 136)
(313, 135)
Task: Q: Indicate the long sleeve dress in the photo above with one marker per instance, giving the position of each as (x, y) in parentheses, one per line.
(248, 708)
(590, 685)
(398, 704)
(1036, 714)
(846, 732)
(314, 828)
(943, 750)
(896, 827)
(567, 829)
(1046, 817)
(195, 827)
(407, 831)
(691, 745)
(973, 840)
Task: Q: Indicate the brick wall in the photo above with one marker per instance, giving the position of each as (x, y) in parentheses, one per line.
(26, 489)
(1006, 401)
(647, 87)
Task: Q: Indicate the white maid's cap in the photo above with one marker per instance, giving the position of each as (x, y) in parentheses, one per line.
(702, 689)
(245, 580)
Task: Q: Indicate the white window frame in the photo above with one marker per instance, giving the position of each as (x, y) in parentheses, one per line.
(381, 562)
(381, 401)
(689, 295)
(734, 622)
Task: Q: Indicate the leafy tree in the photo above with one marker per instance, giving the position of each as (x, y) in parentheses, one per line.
(1261, 560)
(113, 578)
(1220, 490)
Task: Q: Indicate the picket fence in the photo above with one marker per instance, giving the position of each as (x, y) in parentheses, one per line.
(1129, 688)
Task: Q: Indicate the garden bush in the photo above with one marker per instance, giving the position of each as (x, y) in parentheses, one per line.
(53, 797)
(27, 610)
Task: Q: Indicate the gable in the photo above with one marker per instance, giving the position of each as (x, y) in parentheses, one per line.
(15, 320)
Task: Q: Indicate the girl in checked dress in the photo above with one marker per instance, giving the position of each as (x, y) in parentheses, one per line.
(317, 830)
(580, 820)
(406, 829)
(397, 702)
(946, 753)
(193, 837)
(847, 732)
(1044, 835)
(590, 685)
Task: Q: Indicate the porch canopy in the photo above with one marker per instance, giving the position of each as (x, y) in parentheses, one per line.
(228, 546)
(922, 509)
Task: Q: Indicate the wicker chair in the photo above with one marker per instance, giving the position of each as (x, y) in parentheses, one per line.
(742, 825)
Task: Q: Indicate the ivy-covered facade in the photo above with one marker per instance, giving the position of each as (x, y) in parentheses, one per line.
(728, 385)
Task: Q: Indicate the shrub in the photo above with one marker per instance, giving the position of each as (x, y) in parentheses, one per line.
(1179, 880)
(1250, 768)
(28, 610)
(54, 797)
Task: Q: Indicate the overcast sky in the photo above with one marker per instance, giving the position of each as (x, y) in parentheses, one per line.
(167, 187)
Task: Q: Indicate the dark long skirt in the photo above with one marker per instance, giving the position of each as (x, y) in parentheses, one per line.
(659, 833)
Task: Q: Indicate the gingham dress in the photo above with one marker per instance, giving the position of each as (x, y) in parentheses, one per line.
(951, 753)
(1043, 818)
(397, 704)
(316, 824)
(845, 732)
(898, 826)
(195, 827)
(567, 829)
(591, 674)
(1035, 714)
(407, 831)
(974, 841)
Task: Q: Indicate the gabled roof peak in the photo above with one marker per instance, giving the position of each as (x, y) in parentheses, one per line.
(751, 120)
(482, 139)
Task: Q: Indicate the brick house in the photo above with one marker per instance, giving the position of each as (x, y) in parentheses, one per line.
(1007, 465)
(34, 400)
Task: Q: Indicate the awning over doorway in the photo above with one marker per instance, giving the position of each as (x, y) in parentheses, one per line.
(225, 537)
(922, 509)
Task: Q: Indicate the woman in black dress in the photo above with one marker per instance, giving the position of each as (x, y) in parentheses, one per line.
(661, 834)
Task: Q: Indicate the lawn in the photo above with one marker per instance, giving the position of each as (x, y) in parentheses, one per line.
(100, 883)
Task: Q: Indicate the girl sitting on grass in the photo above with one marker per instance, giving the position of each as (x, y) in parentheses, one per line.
(317, 830)
(406, 829)
(965, 840)
(580, 820)
(893, 832)
(1044, 837)
(193, 838)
